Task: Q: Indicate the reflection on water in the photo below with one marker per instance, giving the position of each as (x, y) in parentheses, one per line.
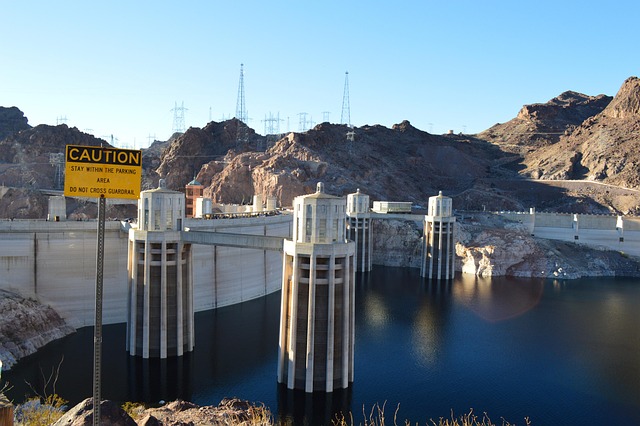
(375, 311)
(296, 407)
(156, 379)
(498, 300)
(428, 325)
(559, 352)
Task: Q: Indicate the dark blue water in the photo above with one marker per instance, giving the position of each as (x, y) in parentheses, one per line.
(556, 352)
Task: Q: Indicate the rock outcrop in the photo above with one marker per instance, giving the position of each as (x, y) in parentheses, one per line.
(380, 161)
(230, 411)
(397, 243)
(25, 159)
(603, 148)
(111, 414)
(491, 246)
(184, 156)
(12, 120)
(21, 203)
(26, 326)
(540, 124)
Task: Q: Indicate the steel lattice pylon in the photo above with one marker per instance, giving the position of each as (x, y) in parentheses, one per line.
(345, 117)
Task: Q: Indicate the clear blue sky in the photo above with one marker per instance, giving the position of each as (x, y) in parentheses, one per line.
(118, 67)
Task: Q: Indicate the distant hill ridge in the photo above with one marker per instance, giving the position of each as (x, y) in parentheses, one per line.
(538, 124)
(604, 147)
(572, 136)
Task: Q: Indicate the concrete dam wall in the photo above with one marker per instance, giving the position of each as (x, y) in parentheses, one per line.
(55, 263)
(620, 233)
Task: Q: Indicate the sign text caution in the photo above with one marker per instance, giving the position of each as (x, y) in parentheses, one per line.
(92, 171)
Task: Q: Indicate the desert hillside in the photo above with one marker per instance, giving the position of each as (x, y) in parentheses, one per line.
(604, 147)
(551, 156)
(390, 164)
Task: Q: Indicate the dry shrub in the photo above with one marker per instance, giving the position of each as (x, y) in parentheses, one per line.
(376, 417)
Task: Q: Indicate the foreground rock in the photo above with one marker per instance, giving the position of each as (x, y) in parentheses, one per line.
(111, 414)
(229, 411)
(26, 326)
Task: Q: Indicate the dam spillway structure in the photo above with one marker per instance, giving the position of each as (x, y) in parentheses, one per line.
(438, 251)
(359, 229)
(318, 290)
(160, 319)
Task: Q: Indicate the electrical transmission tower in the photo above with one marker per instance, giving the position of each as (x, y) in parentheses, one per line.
(303, 123)
(345, 118)
(325, 116)
(241, 109)
(272, 124)
(271, 130)
(178, 118)
(113, 140)
(242, 131)
(57, 161)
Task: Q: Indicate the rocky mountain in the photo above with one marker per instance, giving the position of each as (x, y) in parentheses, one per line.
(402, 162)
(183, 157)
(506, 167)
(539, 125)
(32, 159)
(604, 148)
(12, 120)
(26, 156)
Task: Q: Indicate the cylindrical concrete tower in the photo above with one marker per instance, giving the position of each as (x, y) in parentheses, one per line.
(257, 203)
(271, 203)
(317, 313)
(359, 229)
(160, 316)
(438, 252)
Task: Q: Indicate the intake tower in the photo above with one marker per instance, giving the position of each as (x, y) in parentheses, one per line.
(317, 310)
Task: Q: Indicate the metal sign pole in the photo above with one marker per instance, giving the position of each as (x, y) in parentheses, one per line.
(97, 334)
(112, 173)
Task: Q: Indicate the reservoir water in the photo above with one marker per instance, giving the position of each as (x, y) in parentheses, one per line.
(558, 352)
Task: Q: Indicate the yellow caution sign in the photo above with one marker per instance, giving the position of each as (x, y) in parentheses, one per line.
(92, 171)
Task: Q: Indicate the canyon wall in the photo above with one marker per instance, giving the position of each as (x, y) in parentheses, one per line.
(25, 326)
